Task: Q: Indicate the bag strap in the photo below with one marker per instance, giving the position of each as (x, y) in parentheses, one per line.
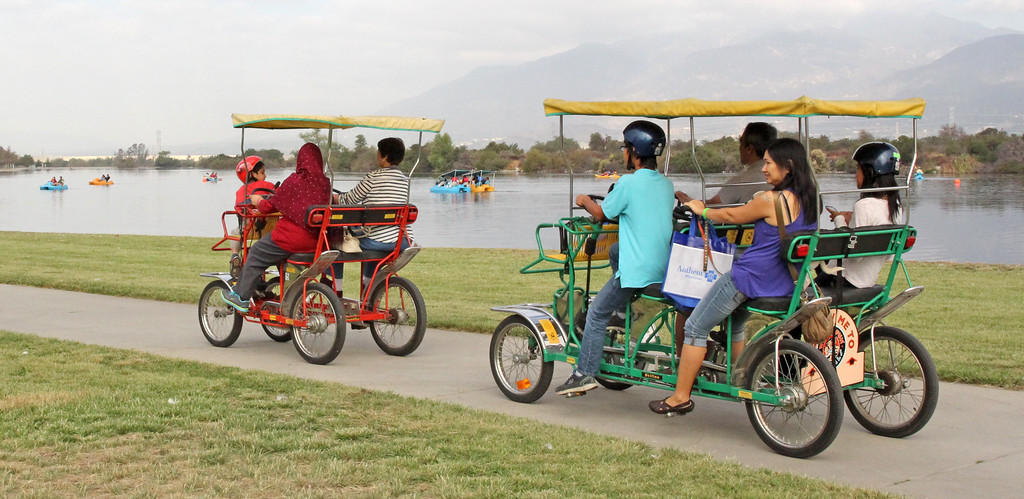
(781, 222)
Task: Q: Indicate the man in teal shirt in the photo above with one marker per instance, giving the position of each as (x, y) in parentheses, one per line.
(643, 203)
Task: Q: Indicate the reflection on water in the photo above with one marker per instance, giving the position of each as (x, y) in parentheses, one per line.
(982, 220)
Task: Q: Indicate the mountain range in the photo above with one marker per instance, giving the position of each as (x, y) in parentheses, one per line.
(971, 76)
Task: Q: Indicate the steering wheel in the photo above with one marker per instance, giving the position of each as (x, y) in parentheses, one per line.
(683, 213)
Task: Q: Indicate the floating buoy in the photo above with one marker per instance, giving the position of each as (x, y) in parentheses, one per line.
(956, 182)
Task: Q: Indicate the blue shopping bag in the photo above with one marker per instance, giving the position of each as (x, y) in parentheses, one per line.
(698, 258)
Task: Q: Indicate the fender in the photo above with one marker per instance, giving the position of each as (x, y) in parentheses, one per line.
(896, 302)
(550, 331)
(739, 373)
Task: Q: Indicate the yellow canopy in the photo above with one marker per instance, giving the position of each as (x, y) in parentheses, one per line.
(292, 121)
(802, 107)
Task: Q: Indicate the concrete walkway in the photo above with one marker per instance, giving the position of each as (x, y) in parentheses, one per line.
(973, 446)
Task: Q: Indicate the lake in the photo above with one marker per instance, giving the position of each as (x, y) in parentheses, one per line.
(979, 220)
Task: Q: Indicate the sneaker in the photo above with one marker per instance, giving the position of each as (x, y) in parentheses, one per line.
(236, 302)
(577, 383)
(236, 266)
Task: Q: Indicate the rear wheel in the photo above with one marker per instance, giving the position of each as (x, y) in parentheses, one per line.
(911, 392)
(517, 360)
(402, 332)
(219, 322)
(272, 292)
(810, 412)
(320, 341)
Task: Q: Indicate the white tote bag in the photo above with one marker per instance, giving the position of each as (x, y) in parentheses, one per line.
(692, 270)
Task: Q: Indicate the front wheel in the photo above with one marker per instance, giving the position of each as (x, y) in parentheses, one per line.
(402, 331)
(219, 322)
(320, 341)
(809, 413)
(911, 392)
(517, 360)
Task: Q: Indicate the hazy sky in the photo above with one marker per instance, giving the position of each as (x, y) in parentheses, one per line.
(89, 77)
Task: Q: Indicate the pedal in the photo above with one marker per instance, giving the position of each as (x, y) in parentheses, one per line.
(575, 394)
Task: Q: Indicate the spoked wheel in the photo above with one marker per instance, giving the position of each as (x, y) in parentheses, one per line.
(219, 322)
(272, 291)
(517, 361)
(908, 399)
(810, 412)
(402, 332)
(321, 340)
(614, 336)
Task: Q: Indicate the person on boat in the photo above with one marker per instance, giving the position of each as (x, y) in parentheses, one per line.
(385, 185)
(253, 174)
(306, 187)
(53, 180)
(878, 163)
(758, 272)
(753, 142)
(642, 201)
(61, 180)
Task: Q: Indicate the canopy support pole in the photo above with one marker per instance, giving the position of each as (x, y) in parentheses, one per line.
(419, 153)
(693, 154)
(668, 143)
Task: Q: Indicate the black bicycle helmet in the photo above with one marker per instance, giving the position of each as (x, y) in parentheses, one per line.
(881, 157)
(648, 139)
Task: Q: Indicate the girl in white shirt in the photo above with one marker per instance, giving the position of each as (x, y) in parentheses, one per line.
(877, 166)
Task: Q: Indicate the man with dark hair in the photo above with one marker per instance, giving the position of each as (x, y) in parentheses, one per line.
(385, 185)
(642, 201)
(755, 139)
(392, 149)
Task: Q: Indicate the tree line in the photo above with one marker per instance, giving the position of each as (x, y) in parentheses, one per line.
(952, 151)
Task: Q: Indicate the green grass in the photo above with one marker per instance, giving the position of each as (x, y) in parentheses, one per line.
(967, 317)
(91, 421)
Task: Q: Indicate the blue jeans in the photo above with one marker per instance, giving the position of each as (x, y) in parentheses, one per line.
(722, 300)
(610, 299)
(371, 245)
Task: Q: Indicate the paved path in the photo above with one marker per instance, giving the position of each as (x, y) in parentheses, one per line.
(973, 446)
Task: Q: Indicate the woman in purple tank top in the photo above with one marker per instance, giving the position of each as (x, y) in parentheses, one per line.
(759, 272)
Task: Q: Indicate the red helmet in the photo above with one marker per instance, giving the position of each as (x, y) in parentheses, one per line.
(247, 165)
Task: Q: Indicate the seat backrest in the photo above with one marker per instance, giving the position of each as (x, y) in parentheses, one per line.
(848, 243)
(358, 214)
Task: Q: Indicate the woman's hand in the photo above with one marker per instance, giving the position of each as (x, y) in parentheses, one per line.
(696, 205)
(255, 199)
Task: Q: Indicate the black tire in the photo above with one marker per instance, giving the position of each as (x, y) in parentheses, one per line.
(220, 323)
(806, 422)
(403, 331)
(908, 401)
(321, 340)
(517, 361)
(279, 334)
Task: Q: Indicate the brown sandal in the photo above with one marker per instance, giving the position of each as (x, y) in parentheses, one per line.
(662, 407)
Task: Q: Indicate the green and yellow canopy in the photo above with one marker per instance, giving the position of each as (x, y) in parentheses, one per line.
(800, 108)
(298, 121)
